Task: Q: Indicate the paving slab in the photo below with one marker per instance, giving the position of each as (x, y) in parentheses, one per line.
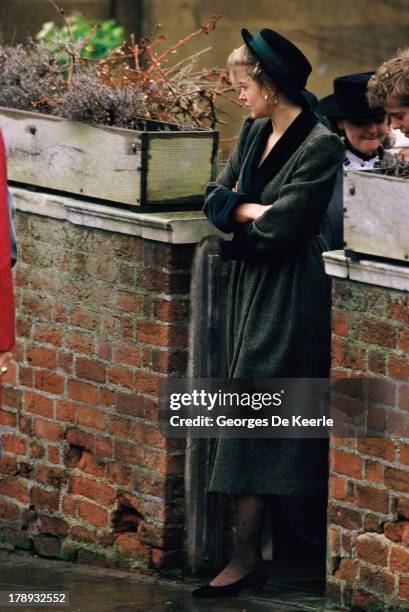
(102, 590)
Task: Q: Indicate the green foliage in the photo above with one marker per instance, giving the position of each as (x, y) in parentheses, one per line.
(108, 36)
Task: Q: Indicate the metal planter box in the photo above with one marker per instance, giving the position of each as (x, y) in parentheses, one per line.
(148, 169)
(376, 215)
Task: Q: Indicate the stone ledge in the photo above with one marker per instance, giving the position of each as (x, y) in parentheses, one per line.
(367, 271)
(176, 227)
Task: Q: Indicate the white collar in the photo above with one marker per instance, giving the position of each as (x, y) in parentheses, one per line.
(353, 161)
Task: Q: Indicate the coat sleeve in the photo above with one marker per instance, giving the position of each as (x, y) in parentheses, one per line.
(220, 199)
(7, 338)
(298, 211)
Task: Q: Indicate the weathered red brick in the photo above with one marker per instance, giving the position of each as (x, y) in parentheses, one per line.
(121, 376)
(377, 362)
(345, 517)
(42, 357)
(123, 428)
(131, 543)
(399, 312)
(372, 498)
(161, 334)
(172, 311)
(347, 463)
(84, 535)
(82, 392)
(14, 444)
(85, 319)
(394, 531)
(347, 354)
(49, 382)
(89, 465)
(37, 450)
(404, 340)
(396, 479)
(104, 350)
(404, 453)
(404, 397)
(9, 511)
(398, 366)
(8, 465)
(399, 559)
(53, 453)
(80, 342)
(347, 570)
(53, 525)
(120, 474)
(38, 404)
(372, 549)
(25, 376)
(129, 453)
(146, 382)
(378, 332)
(378, 447)
(80, 438)
(373, 522)
(65, 410)
(129, 302)
(373, 471)
(90, 417)
(50, 475)
(92, 489)
(404, 587)
(383, 391)
(127, 353)
(8, 419)
(104, 447)
(44, 333)
(49, 430)
(14, 488)
(48, 500)
(376, 580)
(92, 513)
(90, 369)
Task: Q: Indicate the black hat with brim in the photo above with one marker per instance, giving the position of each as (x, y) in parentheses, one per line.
(349, 100)
(282, 60)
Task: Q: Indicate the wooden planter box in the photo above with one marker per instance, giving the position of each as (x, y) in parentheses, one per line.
(149, 169)
(376, 216)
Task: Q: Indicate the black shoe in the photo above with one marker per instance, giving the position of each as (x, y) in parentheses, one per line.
(253, 580)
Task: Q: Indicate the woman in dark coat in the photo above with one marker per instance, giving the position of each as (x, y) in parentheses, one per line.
(273, 196)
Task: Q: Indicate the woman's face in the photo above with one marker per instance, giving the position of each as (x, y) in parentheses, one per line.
(365, 137)
(251, 93)
(399, 116)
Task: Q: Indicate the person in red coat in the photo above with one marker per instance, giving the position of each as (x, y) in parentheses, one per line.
(7, 324)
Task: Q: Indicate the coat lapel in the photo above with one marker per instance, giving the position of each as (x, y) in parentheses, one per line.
(255, 178)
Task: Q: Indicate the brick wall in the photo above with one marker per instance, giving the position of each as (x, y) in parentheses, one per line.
(368, 554)
(85, 474)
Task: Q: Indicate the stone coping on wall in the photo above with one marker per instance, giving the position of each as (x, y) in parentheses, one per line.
(371, 272)
(173, 227)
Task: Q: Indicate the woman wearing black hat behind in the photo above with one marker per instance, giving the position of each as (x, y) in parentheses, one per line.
(272, 195)
(365, 132)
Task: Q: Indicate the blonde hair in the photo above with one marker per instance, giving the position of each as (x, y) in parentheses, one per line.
(242, 57)
(390, 83)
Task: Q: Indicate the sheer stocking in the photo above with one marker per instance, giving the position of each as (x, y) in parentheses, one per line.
(247, 550)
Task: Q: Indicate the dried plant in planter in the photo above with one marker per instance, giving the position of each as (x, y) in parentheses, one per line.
(134, 82)
(28, 74)
(399, 167)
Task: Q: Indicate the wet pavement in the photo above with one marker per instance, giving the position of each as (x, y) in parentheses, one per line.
(101, 590)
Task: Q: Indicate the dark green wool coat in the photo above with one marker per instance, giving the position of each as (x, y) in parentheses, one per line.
(279, 296)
